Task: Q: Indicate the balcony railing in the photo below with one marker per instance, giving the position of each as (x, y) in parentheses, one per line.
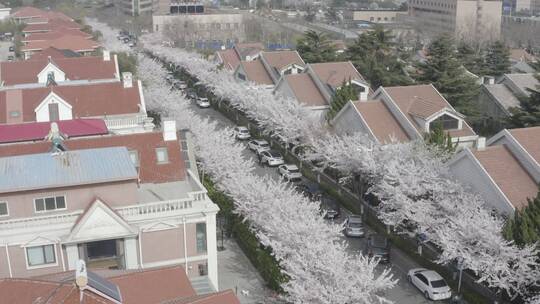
(127, 122)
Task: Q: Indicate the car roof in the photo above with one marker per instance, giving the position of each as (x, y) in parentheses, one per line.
(378, 240)
(355, 218)
(431, 275)
(260, 141)
(241, 128)
(291, 166)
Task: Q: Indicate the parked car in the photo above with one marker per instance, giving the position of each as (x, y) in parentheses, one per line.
(378, 246)
(132, 44)
(271, 158)
(290, 172)
(180, 85)
(430, 283)
(241, 133)
(203, 102)
(126, 40)
(310, 189)
(10, 58)
(12, 49)
(354, 226)
(330, 208)
(190, 93)
(258, 145)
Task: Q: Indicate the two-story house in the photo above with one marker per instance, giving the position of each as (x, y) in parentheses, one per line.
(317, 84)
(497, 98)
(402, 114)
(506, 172)
(230, 58)
(269, 67)
(66, 70)
(129, 201)
(120, 104)
(75, 43)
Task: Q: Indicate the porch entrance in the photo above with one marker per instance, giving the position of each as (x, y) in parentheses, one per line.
(107, 254)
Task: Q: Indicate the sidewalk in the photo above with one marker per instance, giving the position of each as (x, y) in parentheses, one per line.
(236, 272)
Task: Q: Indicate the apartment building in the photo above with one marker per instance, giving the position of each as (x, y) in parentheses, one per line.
(136, 7)
(120, 104)
(128, 202)
(401, 114)
(63, 70)
(375, 16)
(506, 172)
(470, 20)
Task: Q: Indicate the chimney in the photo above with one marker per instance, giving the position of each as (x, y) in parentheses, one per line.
(481, 144)
(81, 277)
(169, 130)
(14, 106)
(489, 80)
(127, 79)
(106, 55)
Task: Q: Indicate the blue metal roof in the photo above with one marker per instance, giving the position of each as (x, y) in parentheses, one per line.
(70, 168)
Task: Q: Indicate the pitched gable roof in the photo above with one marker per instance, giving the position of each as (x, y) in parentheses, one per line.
(55, 34)
(381, 121)
(222, 297)
(256, 72)
(69, 42)
(523, 82)
(145, 144)
(75, 68)
(86, 100)
(281, 59)
(229, 58)
(335, 73)
(509, 175)
(502, 95)
(305, 90)
(529, 139)
(54, 53)
(52, 25)
(248, 49)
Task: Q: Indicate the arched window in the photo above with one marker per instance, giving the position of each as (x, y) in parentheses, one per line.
(447, 122)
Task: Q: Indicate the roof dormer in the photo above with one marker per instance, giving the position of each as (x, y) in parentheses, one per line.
(51, 70)
(53, 108)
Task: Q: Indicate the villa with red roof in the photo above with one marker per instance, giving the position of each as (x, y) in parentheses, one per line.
(403, 114)
(70, 70)
(120, 104)
(31, 15)
(75, 43)
(506, 172)
(118, 202)
(230, 58)
(268, 68)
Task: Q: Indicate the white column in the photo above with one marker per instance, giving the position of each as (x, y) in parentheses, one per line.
(72, 255)
(130, 253)
(211, 248)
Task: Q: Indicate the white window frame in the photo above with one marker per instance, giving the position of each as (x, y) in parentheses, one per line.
(166, 154)
(28, 267)
(45, 208)
(7, 209)
(138, 160)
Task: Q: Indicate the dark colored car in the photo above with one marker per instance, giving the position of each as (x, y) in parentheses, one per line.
(12, 49)
(310, 190)
(331, 207)
(378, 246)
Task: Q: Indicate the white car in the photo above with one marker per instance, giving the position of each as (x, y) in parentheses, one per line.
(430, 283)
(258, 145)
(203, 102)
(271, 158)
(241, 133)
(290, 172)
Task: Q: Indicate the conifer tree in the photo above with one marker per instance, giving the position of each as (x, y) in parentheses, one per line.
(524, 227)
(497, 60)
(315, 47)
(528, 114)
(343, 95)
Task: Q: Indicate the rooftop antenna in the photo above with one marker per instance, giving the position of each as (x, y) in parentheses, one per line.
(57, 138)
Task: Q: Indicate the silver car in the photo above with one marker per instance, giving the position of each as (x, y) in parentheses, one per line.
(258, 145)
(290, 172)
(354, 226)
(430, 283)
(271, 158)
(203, 102)
(242, 133)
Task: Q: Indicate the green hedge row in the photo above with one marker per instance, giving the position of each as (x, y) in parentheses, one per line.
(260, 256)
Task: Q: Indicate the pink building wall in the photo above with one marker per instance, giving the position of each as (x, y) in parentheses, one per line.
(168, 244)
(21, 204)
(18, 263)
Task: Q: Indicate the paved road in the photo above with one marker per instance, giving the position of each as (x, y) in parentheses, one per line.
(403, 293)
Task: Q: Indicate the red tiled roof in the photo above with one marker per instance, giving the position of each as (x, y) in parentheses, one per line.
(381, 122)
(38, 130)
(54, 24)
(335, 73)
(529, 139)
(305, 90)
(86, 100)
(248, 49)
(506, 171)
(68, 42)
(144, 143)
(281, 59)
(155, 286)
(54, 53)
(55, 34)
(32, 12)
(256, 72)
(76, 68)
(229, 58)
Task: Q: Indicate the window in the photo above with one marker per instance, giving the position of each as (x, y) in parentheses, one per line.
(161, 155)
(50, 203)
(54, 114)
(41, 255)
(201, 237)
(14, 114)
(241, 76)
(4, 209)
(422, 278)
(447, 123)
(134, 157)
